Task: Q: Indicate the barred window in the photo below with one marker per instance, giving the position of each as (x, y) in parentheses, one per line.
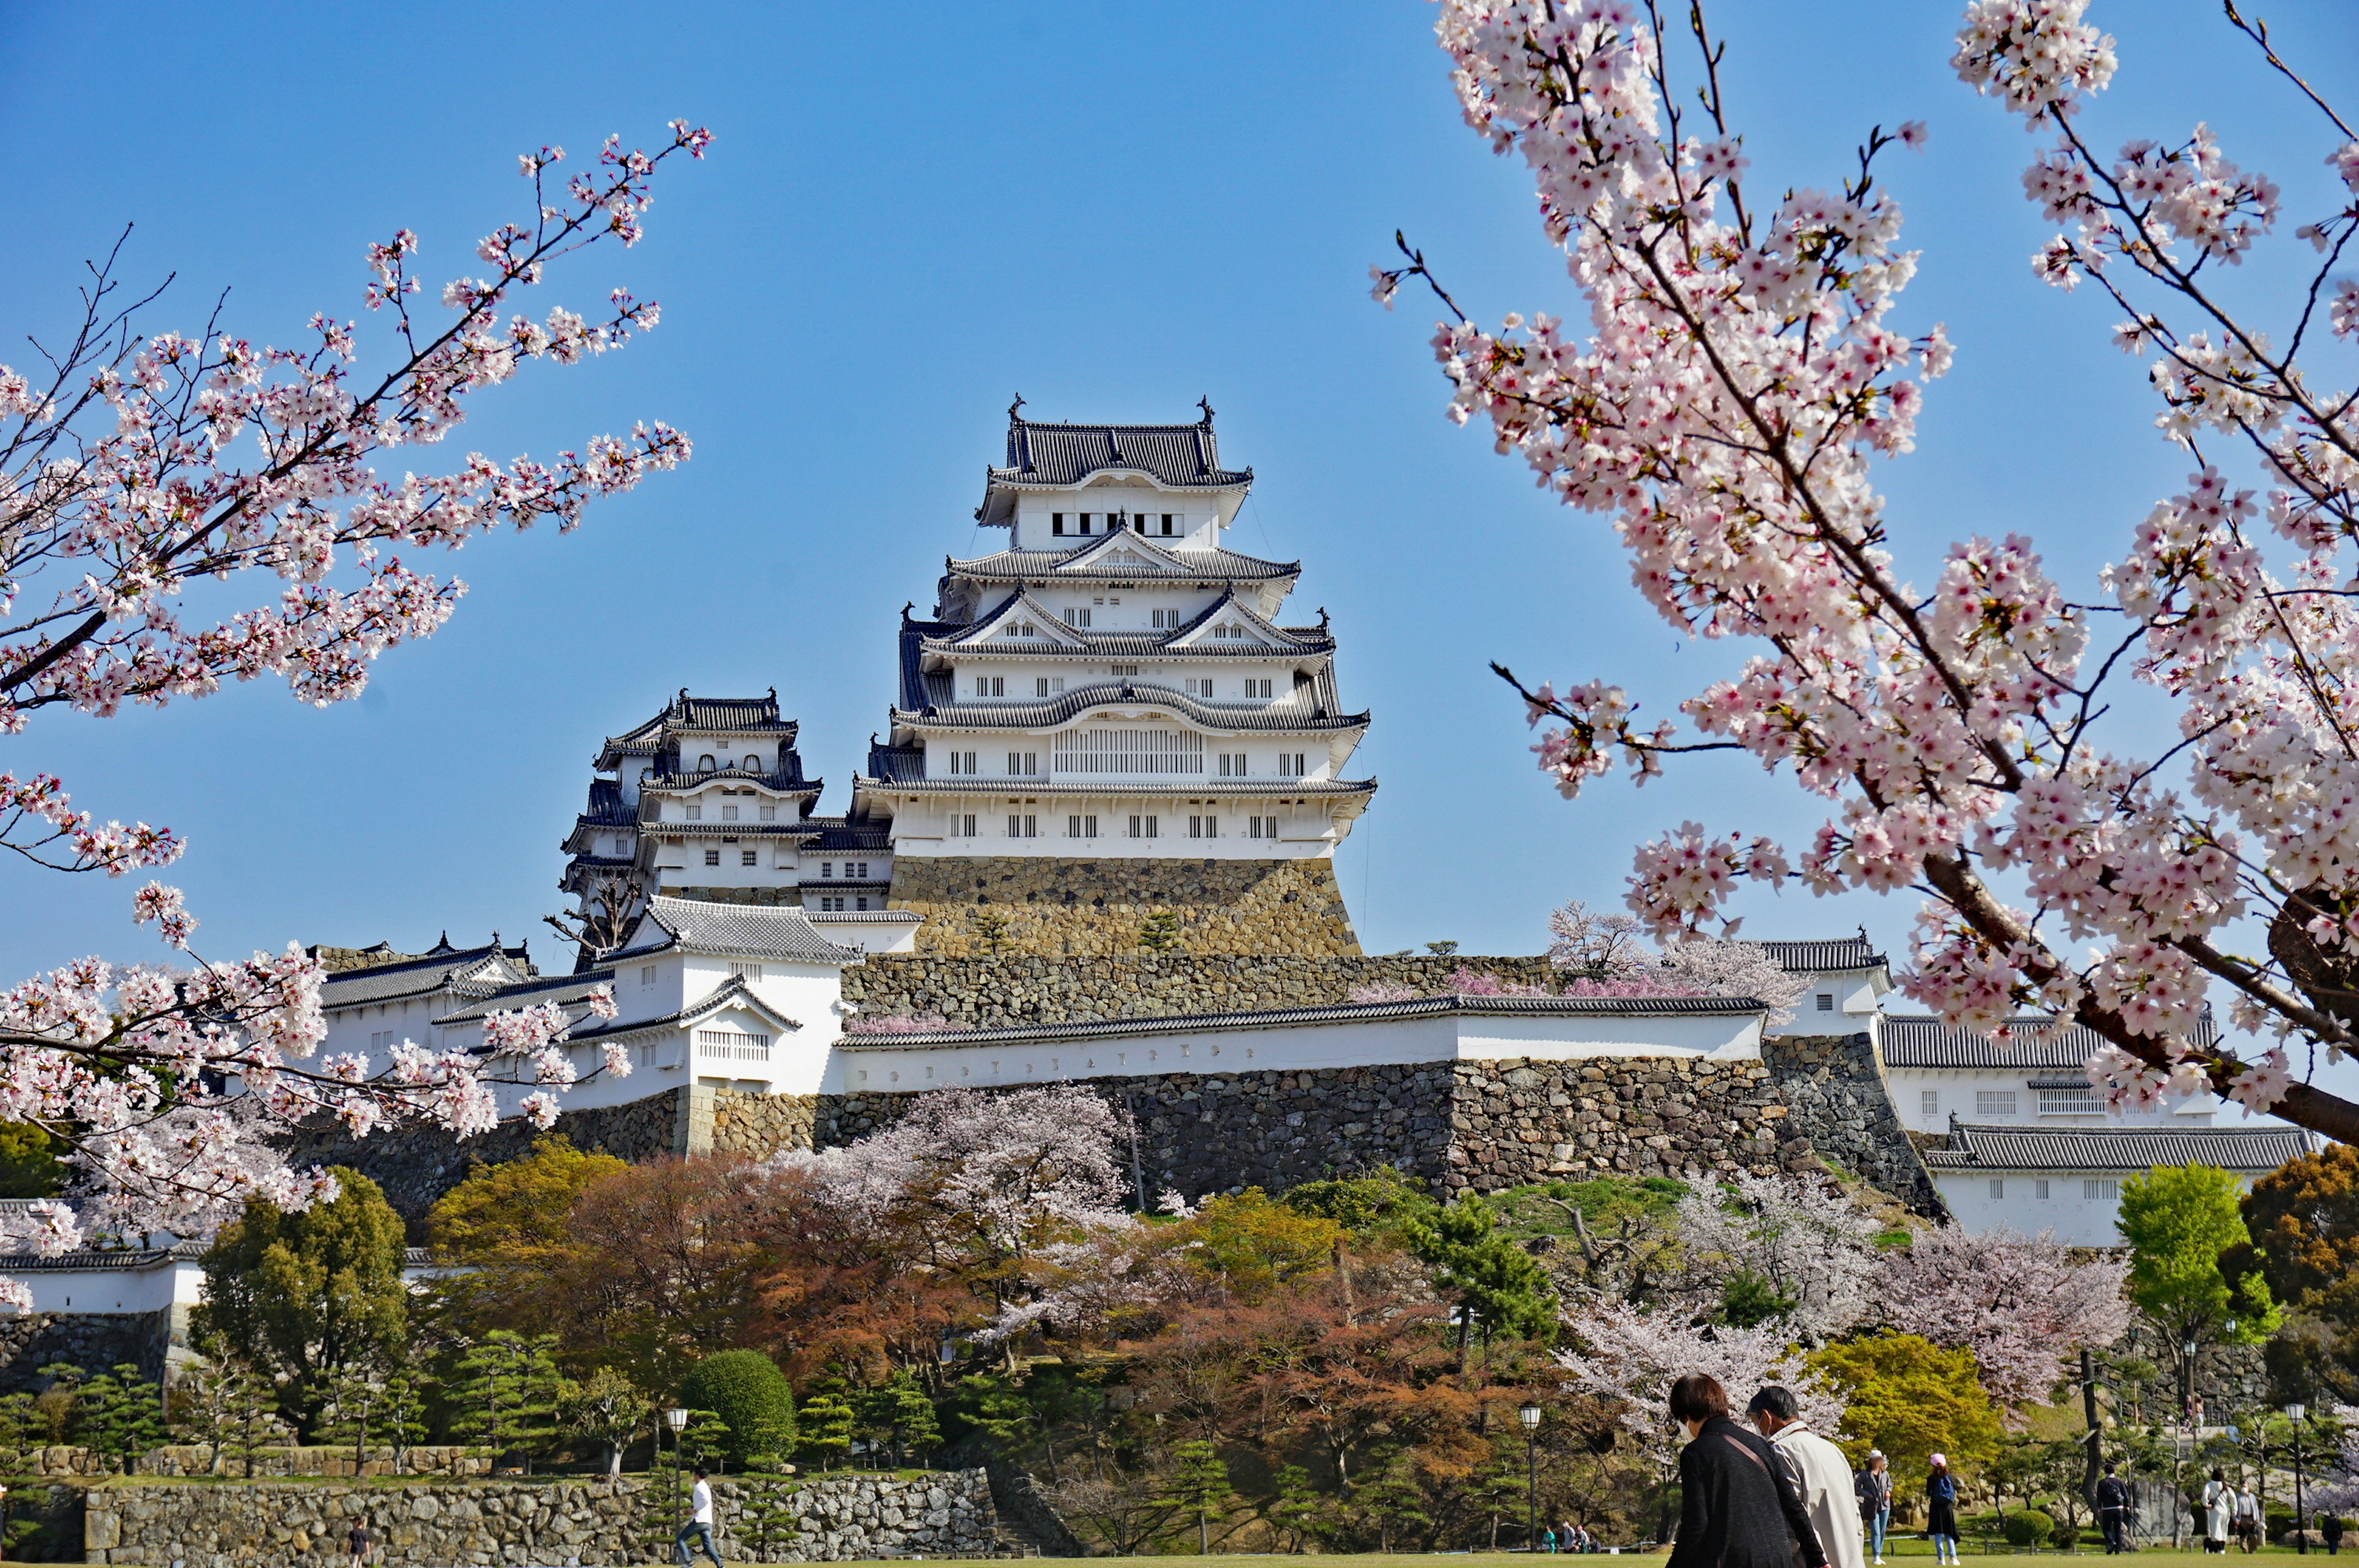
(1129, 752)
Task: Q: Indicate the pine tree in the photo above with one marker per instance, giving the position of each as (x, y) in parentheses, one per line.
(1199, 1487)
(766, 1521)
(1160, 932)
(506, 1391)
(911, 1420)
(123, 1415)
(1296, 1509)
(823, 1431)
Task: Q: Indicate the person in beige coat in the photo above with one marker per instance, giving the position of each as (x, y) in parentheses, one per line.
(1821, 1474)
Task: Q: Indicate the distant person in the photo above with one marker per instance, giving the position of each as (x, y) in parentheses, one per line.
(2330, 1527)
(1874, 1489)
(2247, 1509)
(1738, 1508)
(2219, 1508)
(1941, 1509)
(1547, 1542)
(2113, 1511)
(1819, 1471)
(359, 1543)
(699, 1523)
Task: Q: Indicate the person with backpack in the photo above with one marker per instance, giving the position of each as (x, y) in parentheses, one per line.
(1941, 1509)
(2113, 1511)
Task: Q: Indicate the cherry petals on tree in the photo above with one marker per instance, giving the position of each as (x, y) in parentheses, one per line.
(1722, 396)
(1632, 1357)
(2019, 1304)
(136, 466)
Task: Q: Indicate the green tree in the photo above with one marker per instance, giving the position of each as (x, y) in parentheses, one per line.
(996, 1407)
(507, 1389)
(515, 1212)
(896, 1415)
(123, 1415)
(1254, 1245)
(745, 1390)
(316, 1295)
(1497, 1285)
(767, 1519)
(1293, 1510)
(1160, 932)
(1377, 1205)
(1911, 1399)
(823, 1432)
(607, 1409)
(2304, 1221)
(29, 1167)
(1198, 1487)
(2179, 1220)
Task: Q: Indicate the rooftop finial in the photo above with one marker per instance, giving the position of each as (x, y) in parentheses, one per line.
(1206, 404)
(1322, 626)
(774, 694)
(1014, 406)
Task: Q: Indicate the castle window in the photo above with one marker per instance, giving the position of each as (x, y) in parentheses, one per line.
(1258, 688)
(1023, 764)
(1085, 522)
(827, 870)
(1138, 524)
(1080, 827)
(1161, 619)
(647, 974)
(747, 857)
(1041, 687)
(1232, 764)
(622, 846)
(1168, 520)
(2040, 1189)
(1142, 826)
(1203, 827)
(746, 971)
(1290, 765)
(1023, 826)
(1077, 615)
(1826, 1001)
(830, 906)
(770, 814)
(2076, 1100)
(1261, 827)
(1122, 669)
(962, 825)
(861, 903)
(962, 762)
(1056, 522)
(1200, 687)
(704, 764)
(855, 870)
(751, 764)
(991, 685)
(1994, 1102)
(713, 857)
(695, 810)
(1928, 1103)
(728, 814)
(1998, 1189)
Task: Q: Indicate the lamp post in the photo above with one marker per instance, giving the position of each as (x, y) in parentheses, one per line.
(2300, 1531)
(1531, 1416)
(676, 1419)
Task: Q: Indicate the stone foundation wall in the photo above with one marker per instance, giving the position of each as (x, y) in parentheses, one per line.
(1066, 907)
(837, 1519)
(94, 1341)
(756, 1124)
(1514, 1122)
(1835, 1088)
(766, 897)
(417, 1165)
(1017, 990)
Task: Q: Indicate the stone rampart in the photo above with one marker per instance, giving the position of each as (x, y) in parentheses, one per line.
(832, 1519)
(1065, 908)
(1834, 1087)
(94, 1341)
(1017, 989)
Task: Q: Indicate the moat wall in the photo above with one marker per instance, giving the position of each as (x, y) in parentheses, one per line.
(1061, 908)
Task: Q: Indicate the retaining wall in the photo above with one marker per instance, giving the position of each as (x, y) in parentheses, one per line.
(834, 1519)
(1067, 907)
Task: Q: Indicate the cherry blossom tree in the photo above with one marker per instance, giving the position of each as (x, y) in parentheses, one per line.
(146, 476)
(2018, 1303)
(1798, 1235)
(1631, 1358)
(1733, 378)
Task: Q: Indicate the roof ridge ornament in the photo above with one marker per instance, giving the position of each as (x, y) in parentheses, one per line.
(1206, 404)
(1012, 414)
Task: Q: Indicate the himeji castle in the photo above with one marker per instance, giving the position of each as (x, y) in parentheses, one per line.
(1109, 724)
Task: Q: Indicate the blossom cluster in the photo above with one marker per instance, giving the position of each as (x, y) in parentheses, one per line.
(1732, 380)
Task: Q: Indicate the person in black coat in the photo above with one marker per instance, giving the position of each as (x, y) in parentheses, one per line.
(1738, 1506)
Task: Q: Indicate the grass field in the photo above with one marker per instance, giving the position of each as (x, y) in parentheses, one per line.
(2164, 1558)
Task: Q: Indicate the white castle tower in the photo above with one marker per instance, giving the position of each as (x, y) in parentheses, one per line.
(1105, 737)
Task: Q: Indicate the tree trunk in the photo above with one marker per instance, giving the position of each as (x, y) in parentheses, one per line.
(2089, 1466)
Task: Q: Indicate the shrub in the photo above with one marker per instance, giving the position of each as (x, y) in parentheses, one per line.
(747, 1391)
(2067, 1536)
(2029, 1527)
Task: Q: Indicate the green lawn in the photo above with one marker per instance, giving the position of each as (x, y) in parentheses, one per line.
(2164, 1558)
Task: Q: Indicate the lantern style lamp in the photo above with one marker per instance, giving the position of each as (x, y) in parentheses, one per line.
(1531, 1416)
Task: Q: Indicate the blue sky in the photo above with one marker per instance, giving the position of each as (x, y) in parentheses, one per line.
(1111, 209)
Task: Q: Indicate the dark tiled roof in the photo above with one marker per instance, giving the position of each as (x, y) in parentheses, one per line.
(789, 783)
(752, 930)
(561, 989)
(1916, 1041)
(1824, 957)
(2248, 1149)
(1180, 455)
(1011, 715)
(1348, 1012)
(732, 991)
(855, 916)
(1049, 566)
(731, 714)
(418, 977)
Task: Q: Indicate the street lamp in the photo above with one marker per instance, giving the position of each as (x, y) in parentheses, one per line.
(676, 1419)
(2301, 1532)
(1531, 1416)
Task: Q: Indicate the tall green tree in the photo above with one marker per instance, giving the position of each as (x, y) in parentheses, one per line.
(2179, 1221)
(1498, 1286)
(505, 1390)
(1197, 1486)
(823, 1432)
(2304, 1220)
(317, 1295)
(608, 1408)
(123, 1415)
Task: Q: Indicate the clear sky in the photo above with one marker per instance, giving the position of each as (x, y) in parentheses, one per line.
(912, 214)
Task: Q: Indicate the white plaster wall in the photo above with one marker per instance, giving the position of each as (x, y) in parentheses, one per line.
(2077, 1219)
(1197, 525)
(1855, 1001)
(1305, 832)
(860, 1066)
(148, 1288)
(1955, 1091)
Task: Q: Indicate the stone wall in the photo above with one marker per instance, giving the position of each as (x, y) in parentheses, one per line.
(836, 1519)
(1834, 1087)
(1076, 907)
(1017, 990)
(417, 1165)
(766, 897)
(94, 1341)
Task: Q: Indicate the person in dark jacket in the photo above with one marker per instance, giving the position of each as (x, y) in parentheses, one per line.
(1941, 1510)
(2113, 1511)
(1738, 1508)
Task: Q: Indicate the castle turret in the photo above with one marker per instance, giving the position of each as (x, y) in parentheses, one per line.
(1106, 730)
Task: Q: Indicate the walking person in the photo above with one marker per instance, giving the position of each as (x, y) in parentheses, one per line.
(1738, 1508)
(699, 1523)
(2330, 1527)
(1874, 1489)
(2113, 1511)
(1941, 1509)
(359, 1543)
(2218, 1502)
(1819, 1471)
(2248, 1510)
